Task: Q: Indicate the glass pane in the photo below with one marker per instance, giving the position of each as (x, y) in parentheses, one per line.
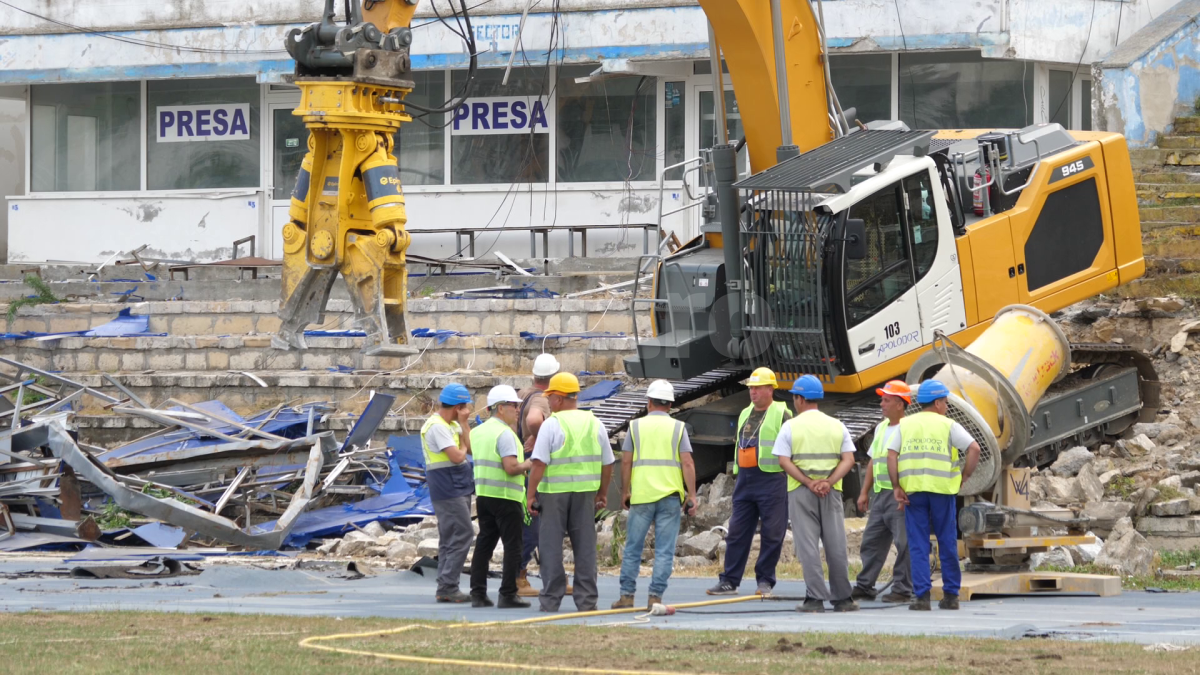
(606, 130)
(1085, 105)
(864, 82)
(922, 220)
(1060, 98)
(421, 144)
(884, 274)
(733, 122)
(961, 90)
(85, 137)
(202, 134)
(675, 118)
(501, 134)
(288, 146)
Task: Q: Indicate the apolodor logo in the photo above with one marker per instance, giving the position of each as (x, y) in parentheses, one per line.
(497, 115)
(211, 122)
(913, 338)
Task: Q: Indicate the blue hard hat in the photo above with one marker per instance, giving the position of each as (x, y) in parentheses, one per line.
(454, 394)
(809, 387)
(930, 391)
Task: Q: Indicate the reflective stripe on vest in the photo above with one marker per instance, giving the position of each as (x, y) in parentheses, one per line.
(491, 480)
(816, 446)
(879, 455)
(767, 432)
(926, 462)
(435, 460)
(657, 469)
(575, 467)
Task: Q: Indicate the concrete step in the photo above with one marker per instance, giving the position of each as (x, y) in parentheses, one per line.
(1173, 214)
(497, 354)
(198, 318)
(1175, 176)
(1168, 194)
(1178, 141)
(1187, 124)
(1145, 159)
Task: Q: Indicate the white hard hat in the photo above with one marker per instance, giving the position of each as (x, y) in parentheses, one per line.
(660, 390)
(502, 393)
(545, 365)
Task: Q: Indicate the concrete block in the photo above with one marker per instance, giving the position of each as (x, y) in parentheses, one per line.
(1171, 507)
(68, 308)
(160, 324)
(315, 361)
(218, 361)
(230, 342)
(281, 360)
(108, 362)
(195, 360)
(256, 341)
(242, 307)
(576, 323)
(266, 306)
(463, 323)
(233, 325)
(63, 324)
(247, 360)
(1169, 527)
(192, 325)
(267, 324)
(165, 360)
(133, 361)
(496, 322)
(206, 341)
(527, 322)
(85, 361)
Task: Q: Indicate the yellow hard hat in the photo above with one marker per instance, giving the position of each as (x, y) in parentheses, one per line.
(761, 377)
(563, 383)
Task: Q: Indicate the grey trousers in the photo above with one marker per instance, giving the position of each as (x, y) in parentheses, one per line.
(885, 526)
(570, 514)
(817, 520)
(455, 534)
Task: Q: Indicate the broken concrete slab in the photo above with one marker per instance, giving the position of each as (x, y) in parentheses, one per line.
(1128, 553)
(1105, 515)
(704, 544)
(1171, 507)
(1188, 526)
(1089, 484)
(1070, 462)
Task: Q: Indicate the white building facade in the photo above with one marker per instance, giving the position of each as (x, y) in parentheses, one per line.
(130, 123)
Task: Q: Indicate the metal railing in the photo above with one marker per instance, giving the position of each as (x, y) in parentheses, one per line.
(662, 271)
(694, 200)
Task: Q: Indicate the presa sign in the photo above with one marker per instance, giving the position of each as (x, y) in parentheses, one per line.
(210, 122)
(497, 115)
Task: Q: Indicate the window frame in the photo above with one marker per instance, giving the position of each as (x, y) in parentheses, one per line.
(846, 292)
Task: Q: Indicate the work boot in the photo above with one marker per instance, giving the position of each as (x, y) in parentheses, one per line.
(722, 588)
(523, 588)
(860, 594)
(764, 589)
(896, 598)
(478, 601)
(456, 597)
(847, 605)
(625, 602)
(811, 606)
(512, 602)
(652, 601)
(921, 604)
(948, 601)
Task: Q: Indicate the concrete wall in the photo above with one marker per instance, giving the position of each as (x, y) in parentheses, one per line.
(1152, 78)
(12, 156)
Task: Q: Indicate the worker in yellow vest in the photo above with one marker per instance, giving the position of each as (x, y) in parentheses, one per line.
(572, 466)
(657, 477)
(924, 467)
(450, 481)
(500, 469)
(816, 451)
(885, 520)
(759, 490)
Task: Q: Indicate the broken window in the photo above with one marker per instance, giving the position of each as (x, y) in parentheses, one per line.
(421, 144)
(607, 128)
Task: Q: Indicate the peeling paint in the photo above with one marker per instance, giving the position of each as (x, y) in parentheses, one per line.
(143, 212)
(637, 204)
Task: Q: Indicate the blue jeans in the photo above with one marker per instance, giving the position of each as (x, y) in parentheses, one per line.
(927, 513)
(665, 514)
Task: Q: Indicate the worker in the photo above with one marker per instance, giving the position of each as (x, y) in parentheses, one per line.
(448, 476)
(885, 522)
(816, 451)
(572, 466)
(500, 469)
(535, 409)
(923, 464)
(657, 477)
(759, 489)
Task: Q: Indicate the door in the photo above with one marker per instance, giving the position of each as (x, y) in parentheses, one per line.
(733, 121)
(934, 256)
(289, 142)
(883, 318)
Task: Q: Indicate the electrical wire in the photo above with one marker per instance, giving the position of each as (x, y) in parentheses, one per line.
(1074, 73)
(911, 80)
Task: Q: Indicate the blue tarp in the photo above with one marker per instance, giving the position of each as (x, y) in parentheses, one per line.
(124, 324)
(442, 334)
(600, 391)
(582, 336)
(524, 292)
(336, 520)
(160, 535)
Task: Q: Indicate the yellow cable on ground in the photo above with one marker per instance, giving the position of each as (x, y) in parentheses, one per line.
(312, 642)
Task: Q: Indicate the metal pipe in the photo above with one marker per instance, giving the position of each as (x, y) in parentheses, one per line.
(781, 82)
(714, 59)
(728, 211)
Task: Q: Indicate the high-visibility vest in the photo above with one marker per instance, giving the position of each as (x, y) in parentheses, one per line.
(816, 446)
(575, 467)
(879, 453)
(657, 470)
(927, 462)
(767, 433)
(434, 458)
(491, 480)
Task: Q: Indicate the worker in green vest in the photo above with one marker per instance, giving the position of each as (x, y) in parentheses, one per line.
(500, 469)
(816, 451)
(657, 477)
(885, 520)
(449, 479)
(926, 474)
(759, 490)
(572, 466)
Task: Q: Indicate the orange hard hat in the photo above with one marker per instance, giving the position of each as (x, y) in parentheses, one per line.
(896, 388)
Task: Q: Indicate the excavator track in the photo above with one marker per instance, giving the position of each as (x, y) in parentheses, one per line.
(617, 411)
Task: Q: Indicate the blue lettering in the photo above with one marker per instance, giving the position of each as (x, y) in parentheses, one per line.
(202, 123)
(185, 122)
(539, 116)
(479, 112)
(913, 337)
(520, 117)
(500, 115)
(238, 123)
(220, 121)
(166, 120)
(461, 113)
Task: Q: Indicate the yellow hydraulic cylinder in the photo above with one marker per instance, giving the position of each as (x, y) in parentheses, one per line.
(1027, 348)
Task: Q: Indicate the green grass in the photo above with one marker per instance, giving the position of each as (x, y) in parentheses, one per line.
(1122, 486)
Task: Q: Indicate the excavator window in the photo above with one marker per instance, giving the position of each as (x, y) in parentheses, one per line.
(886, 272)
(922, 220)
